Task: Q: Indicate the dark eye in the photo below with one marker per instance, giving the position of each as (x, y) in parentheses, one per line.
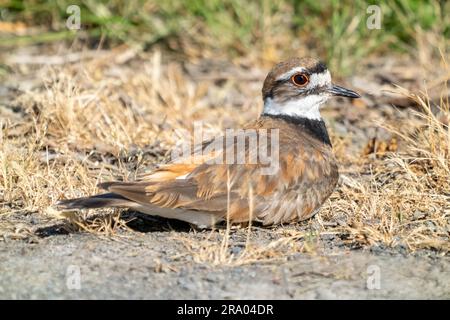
(300, 79)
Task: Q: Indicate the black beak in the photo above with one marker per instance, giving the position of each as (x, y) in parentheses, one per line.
(340, 91)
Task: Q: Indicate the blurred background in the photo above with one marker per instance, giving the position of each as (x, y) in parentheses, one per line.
(264, 31)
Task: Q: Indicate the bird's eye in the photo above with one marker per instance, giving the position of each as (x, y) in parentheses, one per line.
(300, 79)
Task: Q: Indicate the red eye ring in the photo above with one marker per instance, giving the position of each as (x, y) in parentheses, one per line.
(300, 79)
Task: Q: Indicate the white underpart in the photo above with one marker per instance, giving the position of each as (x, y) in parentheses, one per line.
(304, 106)
(200, 218)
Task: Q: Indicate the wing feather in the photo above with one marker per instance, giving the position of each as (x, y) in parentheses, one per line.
(306, 176)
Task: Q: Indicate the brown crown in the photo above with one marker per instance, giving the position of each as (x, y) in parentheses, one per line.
(310, 64)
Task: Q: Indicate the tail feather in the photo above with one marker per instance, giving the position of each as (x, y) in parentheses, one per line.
(94, 202)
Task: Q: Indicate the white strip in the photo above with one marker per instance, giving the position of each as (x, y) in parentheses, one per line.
(290, 73)
(184, 176)
(320, 79)
(305, 107)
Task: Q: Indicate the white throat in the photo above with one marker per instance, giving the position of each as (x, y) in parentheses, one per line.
(304, 107)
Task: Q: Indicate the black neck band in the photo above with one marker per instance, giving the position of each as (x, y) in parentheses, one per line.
(317, 128)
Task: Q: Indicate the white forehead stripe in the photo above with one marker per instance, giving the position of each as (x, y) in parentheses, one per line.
(320, 79)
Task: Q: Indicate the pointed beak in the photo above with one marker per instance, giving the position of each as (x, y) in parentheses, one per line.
(343, 92)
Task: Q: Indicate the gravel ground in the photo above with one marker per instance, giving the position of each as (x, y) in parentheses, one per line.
(147, 264)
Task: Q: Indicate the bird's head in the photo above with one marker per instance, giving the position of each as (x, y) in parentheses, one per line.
(298, 87)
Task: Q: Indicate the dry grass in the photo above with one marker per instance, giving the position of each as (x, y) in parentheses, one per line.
(217, 249)
(104, 118)
(402, 198)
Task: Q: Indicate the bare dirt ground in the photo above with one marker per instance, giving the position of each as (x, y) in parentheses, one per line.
(153, 264)
(67, 125)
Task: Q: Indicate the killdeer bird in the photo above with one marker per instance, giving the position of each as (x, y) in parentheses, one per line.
(204, 192)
